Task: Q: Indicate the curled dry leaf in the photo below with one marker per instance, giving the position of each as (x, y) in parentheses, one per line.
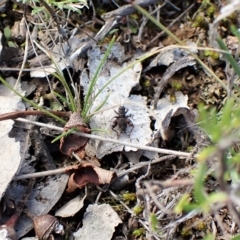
(88, 173)
(45, 225)
(73, 143)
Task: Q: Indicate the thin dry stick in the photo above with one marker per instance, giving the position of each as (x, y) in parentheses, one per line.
(36, 54)
(18, 114)
(170, 25)
(91, 136)
(147, 228)
(154, 198)
(24, 57)
(63, 170)
(119, 200)
(28, 69)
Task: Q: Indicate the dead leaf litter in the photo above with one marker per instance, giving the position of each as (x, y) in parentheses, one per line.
(146, 94)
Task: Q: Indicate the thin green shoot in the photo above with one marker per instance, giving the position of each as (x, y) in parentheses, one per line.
(60, 77)
(229, 56)
(87, 119)
(31, 102)
(87, 103)
(64, 134)
(63, 99)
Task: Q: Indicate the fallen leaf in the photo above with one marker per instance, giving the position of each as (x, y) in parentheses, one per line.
(71, 207)
(170, 55)
(117, 94)
(74, 143)
(10, 151)
(43, 197)
(166, 110)
(99, 223)
(85, 173)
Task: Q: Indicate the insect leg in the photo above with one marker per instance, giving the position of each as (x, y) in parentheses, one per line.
(114, 124)
(129, 122)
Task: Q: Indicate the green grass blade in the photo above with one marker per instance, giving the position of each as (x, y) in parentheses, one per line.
(31, 102)
(229, 56)
(64, 134)
(87, 119)
(87, 105)
(59, 76)
(63, 99)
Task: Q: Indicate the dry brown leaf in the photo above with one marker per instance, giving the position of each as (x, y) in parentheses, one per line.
(85, 173)
(73, 143)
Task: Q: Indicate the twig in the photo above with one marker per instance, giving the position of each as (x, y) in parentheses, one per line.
(40, 174)
(63, 170)
(18, 114)
(128, 9)
(170, 25)
(119, 200)
(91, 136)
(25, 55)
(154, 198)
(36, 54)
(145, 20)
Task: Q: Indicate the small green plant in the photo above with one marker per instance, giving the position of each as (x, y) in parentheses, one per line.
(73, 5)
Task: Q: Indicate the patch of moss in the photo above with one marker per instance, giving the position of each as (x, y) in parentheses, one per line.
(129, 197)
(200, 226)
(139, 232)
(138, 209)
(186, 232)
(176, 86)
(212, 54)
(199, 21)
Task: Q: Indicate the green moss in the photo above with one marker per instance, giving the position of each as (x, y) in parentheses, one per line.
(138, 232)
(201, 226)
(212, 54)
(190, 148)
(186, 232)
(199, 21)
(138, 209)
(211, 10)
(129, 197)
(176, 86)
(145, 83)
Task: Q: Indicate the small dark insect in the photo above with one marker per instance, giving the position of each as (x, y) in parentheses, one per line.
(122, 121)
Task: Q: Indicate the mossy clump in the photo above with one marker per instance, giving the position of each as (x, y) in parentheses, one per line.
(212, 54)
(201, 226)
(139, 232)
(129, 197)
(186, 232)
(138, 209)
(177, 86)
(200, 21)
